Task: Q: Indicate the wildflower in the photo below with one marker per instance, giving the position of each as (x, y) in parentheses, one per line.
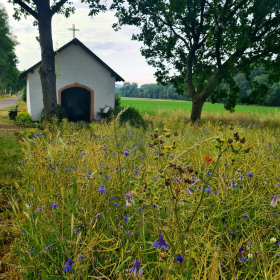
(136, 266)
(155, 199)
(41, 208)
(104, 149)
(126, 219)
(116, 204)
(89, 173)
(10, 165)
(166, 130)
(32, 188)
(47, 248)
(222, 140)
(101, 190)
(68, 265)
(140, 209)
(273, 240)
(208, 159)
(126, 153)
(129, 200)
(111, 197)
(136, 171)
(207, 190)
(171, 156)
(84, 153)
(155, 205)
(28, 205)
(113, 154)
(244, 259)
(167, 147)
(245, 216)
(250, 175)
(161, 243)
(98, 215)
(179, 259)
(240, 250)
(273, 202)
(54, 205)
(82, 256)
(250, 256)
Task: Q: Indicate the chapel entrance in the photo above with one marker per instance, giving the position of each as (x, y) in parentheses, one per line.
(76, 102)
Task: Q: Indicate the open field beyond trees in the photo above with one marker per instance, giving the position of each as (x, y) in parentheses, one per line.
(151, 106)
(115, 201)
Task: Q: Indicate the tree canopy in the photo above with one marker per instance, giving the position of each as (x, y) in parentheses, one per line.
(197, 44)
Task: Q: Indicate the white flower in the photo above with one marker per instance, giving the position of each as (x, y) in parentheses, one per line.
(273, 202)
(28, 205)
(250, 256)
(129, 200)
(273, 240)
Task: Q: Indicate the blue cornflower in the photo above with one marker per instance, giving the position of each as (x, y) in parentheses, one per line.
(179, 258)
(244, 259)
(98, 215)
(89, 173)
(250, 175)
(82, 256)
(10, 165)
(245, 216)
(40, 208)
(77, 230)
(207, 190)
(101, 172)
(240, 250)
(136, 266)
(161, 243)
(136, 171)
(140, 209)
(116, 204)
(68, 265)
(104, 149)
(113, 154)
(101, 190)
(111, 197)
(171, 156)
(84, 153)
(54, 205)
(126, 219)
(126, 153)
(155, 205)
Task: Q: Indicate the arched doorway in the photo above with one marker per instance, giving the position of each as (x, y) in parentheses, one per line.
(77, 100)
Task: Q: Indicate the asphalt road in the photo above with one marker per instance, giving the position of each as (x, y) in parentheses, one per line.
(8, 102)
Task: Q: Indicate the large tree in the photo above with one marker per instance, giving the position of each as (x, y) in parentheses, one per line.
(199, 44)
(43, 11)
(8, 59)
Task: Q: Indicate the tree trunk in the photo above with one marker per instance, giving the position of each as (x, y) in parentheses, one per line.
(47, 69)
(197, 104)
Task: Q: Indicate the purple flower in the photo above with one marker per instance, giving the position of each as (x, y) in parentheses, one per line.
(101, 172)
(161, 243)
(113, 154)
(98, 215)
(179, 258)
(136, 171)
(101, 190)
(126, 219)
(240, 250)
(116, 204)
(84, 153)
(136, 266)
(111, 197)
(68, 265)
(244, 259)
(89, 173)
(250, 175)
(10, 165)
(54, 205)
(245, 216)
(104, 149)
(207, 190)
(82, 256)
(40, 208)
(126, 153)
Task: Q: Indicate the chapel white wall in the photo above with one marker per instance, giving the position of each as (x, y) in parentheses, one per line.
(74, 65)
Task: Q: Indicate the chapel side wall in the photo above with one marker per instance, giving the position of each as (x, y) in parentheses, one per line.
(35, 94)
(82, 68)
(28, 95)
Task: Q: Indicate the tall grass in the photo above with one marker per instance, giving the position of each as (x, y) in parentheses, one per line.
(102, 198)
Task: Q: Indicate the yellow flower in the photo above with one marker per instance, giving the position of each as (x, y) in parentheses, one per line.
(133, 192)
(222, 140)
(167, 147)
(155, 199)
(166, 130)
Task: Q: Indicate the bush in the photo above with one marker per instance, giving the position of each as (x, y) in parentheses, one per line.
(23, 97)
(29, 133)
(61, 114)
(24, 119)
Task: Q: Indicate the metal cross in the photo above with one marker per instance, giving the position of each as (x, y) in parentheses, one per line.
(73, 29)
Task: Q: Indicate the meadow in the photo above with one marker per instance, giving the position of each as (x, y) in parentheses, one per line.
(171, 201)
(152, 106)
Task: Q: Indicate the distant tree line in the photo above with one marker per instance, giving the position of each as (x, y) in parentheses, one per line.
(9, 73)
(258, 91)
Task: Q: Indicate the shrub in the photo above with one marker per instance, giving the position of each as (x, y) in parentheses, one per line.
(24, 119)
(23, 96)
(29, 133)
(61, 114)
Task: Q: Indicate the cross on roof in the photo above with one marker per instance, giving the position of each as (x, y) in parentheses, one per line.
(73, 29)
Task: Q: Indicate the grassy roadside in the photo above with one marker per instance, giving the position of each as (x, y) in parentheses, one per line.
(5, 96)
(10, 153)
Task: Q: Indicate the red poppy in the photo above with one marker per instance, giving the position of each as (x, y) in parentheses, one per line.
(208, 159)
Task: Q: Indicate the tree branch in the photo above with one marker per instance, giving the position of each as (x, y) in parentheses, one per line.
(232, 13)
(57, 6)
(27, 8)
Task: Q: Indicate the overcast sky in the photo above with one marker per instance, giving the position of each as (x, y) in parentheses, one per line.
(115, 48)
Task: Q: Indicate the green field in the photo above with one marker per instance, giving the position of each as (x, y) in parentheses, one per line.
(152, 105)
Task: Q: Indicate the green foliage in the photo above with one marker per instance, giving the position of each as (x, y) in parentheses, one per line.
(61, 114)
(24, 119)
(200, 43)
(27, 133)
(117, 100)
(23, 96)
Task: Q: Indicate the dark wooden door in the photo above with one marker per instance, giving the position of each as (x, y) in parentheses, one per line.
(76, 102)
